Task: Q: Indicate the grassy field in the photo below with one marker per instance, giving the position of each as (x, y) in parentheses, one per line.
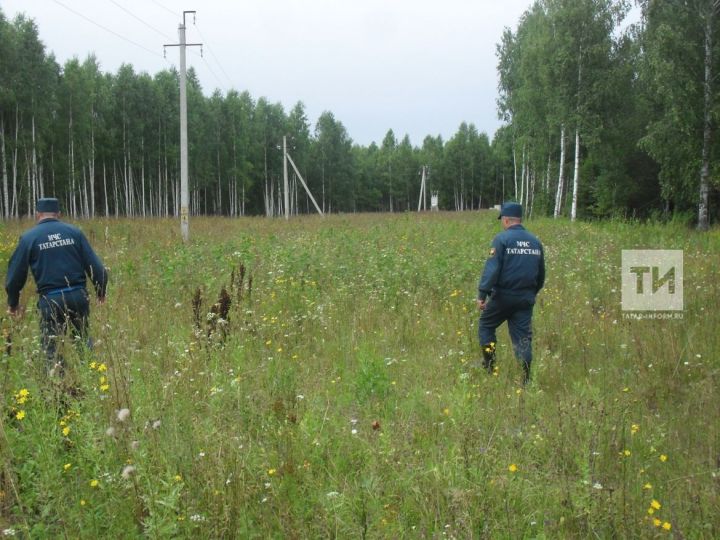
(340, 396)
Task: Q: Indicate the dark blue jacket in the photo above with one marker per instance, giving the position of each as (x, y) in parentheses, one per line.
(59, 256)
(516, 264)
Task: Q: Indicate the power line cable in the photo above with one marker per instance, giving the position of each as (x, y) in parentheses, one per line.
(107, 29)
(164, 7)
(139, 19)
(220, 83)
(207, 44)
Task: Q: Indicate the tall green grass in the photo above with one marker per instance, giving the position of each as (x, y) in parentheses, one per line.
(340, 397)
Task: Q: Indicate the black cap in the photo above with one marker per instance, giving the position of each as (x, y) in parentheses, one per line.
(511, 209)
(48, 206)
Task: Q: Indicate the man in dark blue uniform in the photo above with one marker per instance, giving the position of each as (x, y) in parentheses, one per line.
(60, 258)
(514, 274)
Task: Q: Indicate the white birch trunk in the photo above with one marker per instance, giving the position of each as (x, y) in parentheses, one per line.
(703, 219)
(92, 162)
(3, 163)
(576, 176)
(107, 207)
(515, 172)
(561, 174)
(35, 175)
(15, 204)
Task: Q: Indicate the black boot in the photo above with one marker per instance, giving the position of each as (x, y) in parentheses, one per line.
(489, 357)
(526, 373)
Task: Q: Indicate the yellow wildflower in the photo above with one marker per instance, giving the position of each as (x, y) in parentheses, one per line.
(657, 522)
(512, 468)
(66, 431)
(647, 486)
(667, 526)
(20, 415)
(22, 396)
(663, 458)
(93, 365)
(94, 483)
(651, 510)
(271, 472)
(634, 429)
(178, 478)
(101, 367)
(82, 502)
(104, 387)
(67, 466)
(655, 504)
(626, 453)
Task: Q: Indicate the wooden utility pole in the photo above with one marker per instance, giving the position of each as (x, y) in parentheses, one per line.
(184, 196)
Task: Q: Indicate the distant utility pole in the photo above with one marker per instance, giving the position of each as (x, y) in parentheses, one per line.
(422, 202)
(184, 196)
(286, 158)
(285, 179)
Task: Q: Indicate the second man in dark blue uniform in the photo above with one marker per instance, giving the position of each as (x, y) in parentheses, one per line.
(513, 275)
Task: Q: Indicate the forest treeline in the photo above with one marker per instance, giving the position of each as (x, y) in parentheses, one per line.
(601, 119)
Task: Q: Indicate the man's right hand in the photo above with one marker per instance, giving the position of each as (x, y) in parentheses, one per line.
(15, 311)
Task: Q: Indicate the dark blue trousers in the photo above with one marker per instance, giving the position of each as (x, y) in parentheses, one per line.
(517, 311)
(59, 313)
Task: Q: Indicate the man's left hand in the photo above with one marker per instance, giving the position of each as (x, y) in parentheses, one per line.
(481, 304)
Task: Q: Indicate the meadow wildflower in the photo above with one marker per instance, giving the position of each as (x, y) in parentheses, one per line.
(655, 504)
(634, 429)
(20, 415)
(657, 522)
(667, 526)
(626, 453)
(123, 414)
(127, 471)
(94, 483)
(663, 458)
(271, 472)
(512, 468)
(647, 486)
(22, 396)
(178, 478)
(66, 431)
(110, 432)
(67, 466)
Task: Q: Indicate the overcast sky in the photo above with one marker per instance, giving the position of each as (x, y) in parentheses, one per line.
(417, 66)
